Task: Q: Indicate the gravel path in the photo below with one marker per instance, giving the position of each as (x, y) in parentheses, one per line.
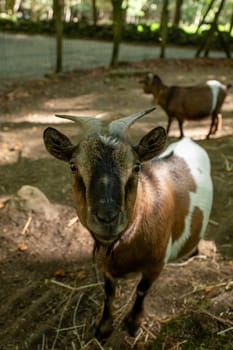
(24, 56)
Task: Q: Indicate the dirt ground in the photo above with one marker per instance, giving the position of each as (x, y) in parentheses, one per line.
(51, 292)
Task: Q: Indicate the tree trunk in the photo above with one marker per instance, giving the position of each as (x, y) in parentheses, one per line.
(163, 28)
(231, 22)
(58, 7)
(214, 28)
(205, 14)
(94, 12)
(17, 6)
(117, 30)
(177, 15)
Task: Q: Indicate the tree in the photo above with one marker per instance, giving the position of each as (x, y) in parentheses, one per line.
(214, 29)
(94, 12)
(117, 14)
(163, 28)
(205, 14)
(177, 15)
(58, 9)
(231, 21)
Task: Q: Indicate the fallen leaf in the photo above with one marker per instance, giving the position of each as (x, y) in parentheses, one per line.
(15, 147)
(60, 273)
(22, 247)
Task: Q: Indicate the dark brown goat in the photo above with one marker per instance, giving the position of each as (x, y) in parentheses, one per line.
(141, 210)
(188, 102)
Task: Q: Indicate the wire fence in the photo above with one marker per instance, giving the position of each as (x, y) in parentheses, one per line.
(23, 56)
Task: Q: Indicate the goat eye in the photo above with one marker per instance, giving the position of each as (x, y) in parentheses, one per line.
(73, 167)
(136, 167)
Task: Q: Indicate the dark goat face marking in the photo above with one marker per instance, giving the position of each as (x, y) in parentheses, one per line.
(105, 172)
(106, 179)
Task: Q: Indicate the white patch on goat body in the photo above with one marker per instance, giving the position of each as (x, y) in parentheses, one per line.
(198, 162)
(214, 87)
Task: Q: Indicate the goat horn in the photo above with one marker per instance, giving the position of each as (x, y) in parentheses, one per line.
(89, 124)
(120, 126)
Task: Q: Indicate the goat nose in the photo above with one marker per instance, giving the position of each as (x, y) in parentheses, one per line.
(107, 214)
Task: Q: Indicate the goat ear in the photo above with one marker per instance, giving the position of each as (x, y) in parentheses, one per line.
(58, 144)
(151, 144)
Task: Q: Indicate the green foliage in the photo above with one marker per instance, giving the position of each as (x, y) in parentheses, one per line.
(25, 26)
(143, 32)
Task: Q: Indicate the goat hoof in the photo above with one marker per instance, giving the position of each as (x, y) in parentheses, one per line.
(131, 327)
(103, 332)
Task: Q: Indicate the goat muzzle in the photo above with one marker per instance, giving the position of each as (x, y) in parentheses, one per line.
(107, 224)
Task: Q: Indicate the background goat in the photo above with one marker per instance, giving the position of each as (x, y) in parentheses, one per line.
(188, 102)
(141, 211)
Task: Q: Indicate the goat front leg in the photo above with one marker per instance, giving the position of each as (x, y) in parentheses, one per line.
(217, 123)
(180, 123)
(213, 125)
(105, 327)
(169, 124)
(133, 320)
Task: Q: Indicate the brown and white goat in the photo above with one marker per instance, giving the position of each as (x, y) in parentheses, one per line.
(188, 102)
(141, 209)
